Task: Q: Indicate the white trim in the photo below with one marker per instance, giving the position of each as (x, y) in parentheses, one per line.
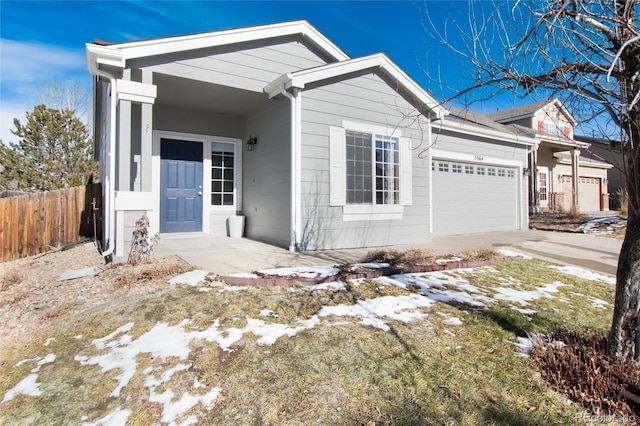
(119, 243)
(372, 128)
(377, 63)
(117, 54)
(136, 92)
(474, 158)
(430, 176)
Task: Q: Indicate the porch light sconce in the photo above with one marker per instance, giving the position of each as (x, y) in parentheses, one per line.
(251, 143)
(526, 171)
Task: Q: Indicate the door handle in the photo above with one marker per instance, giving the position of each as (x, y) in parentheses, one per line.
(200, 193)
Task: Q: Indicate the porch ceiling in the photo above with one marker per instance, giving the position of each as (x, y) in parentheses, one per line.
(193, 94)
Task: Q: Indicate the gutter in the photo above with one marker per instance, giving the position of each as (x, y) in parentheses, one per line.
(110, 187)
(294, 243)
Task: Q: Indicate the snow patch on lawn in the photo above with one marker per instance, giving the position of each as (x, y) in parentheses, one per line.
(335, 285)
(523, 297)
(117, 417)
(400, 308)
(584, 274)
(29, 385)
(301, 271)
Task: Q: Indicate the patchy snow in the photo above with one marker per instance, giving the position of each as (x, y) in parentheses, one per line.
(233, 288)
(49, 340)
(268, 313)
(594, 225)
(512, 253)
(523, 297)
(453, 321)
(301, 271)
(400, 308)
(117, 417)
(599, 303)
(191, 278)
(29, 385)
(370, 266)
(584, 274)
(334, 285)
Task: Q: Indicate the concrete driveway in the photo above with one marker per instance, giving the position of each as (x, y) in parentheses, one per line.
(222, 255)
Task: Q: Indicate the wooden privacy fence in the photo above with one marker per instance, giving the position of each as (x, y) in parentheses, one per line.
(32, 224)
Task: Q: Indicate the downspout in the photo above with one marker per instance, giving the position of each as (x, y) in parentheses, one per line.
(110, 187)
(295, 237)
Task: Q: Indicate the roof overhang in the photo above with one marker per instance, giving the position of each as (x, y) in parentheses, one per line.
(464, 128)
(378, 63)
(562, 144)
(583, 162)
(118, 54)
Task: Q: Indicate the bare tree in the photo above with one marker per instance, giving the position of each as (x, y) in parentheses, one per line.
(74, 95)
(587, 52)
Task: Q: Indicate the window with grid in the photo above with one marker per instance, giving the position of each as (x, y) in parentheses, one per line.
(491, 171)
(501, 172)
(387, 170)
(443, 167)
(480, 170)
(222, 174)
(468, 169)
(456, 168)
(372, 167)
(511, 174)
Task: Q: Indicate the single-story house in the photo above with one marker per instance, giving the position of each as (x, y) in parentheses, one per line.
(560, 176)
(316, 150)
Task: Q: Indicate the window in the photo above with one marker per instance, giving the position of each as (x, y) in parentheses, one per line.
(443, 167)
(491, 171)
(364, 177)
(468, 170)
(222, 174)
(480, 170)
(456, 168)
(370, 171)
(511, 174)
(501, 173)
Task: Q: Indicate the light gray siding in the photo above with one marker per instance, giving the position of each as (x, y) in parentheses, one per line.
(250, 66)
(267, 174)
(364, 99)
(175, 119)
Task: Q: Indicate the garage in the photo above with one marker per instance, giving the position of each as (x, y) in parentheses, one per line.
(474, 197)
(589, 190)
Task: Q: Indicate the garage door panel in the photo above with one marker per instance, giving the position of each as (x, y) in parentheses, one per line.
(471, 203)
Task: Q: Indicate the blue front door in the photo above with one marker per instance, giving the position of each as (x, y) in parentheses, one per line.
(180, 186)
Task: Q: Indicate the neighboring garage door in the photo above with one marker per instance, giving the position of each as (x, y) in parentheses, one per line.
(470, 198)
(589, 189)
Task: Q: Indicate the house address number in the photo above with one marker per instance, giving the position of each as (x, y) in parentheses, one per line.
(479, 157)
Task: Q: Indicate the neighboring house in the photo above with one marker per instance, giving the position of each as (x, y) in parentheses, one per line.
(317, 150)
(608, 151)
(560, 176)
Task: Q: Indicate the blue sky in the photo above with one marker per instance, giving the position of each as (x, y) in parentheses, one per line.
(45, 41)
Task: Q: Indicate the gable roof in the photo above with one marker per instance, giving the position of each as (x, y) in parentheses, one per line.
(377, 62)
(529, 110)
(117, 54)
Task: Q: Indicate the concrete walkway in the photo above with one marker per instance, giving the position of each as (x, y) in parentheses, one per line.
(222, 255)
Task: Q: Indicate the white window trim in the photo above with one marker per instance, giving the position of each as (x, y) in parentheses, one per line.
(372, 212)
(237, 176)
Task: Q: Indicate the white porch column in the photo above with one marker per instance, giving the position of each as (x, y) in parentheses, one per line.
(146, 133)
(575, 177)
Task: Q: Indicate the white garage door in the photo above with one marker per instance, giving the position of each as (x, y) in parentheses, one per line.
(470, 197)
